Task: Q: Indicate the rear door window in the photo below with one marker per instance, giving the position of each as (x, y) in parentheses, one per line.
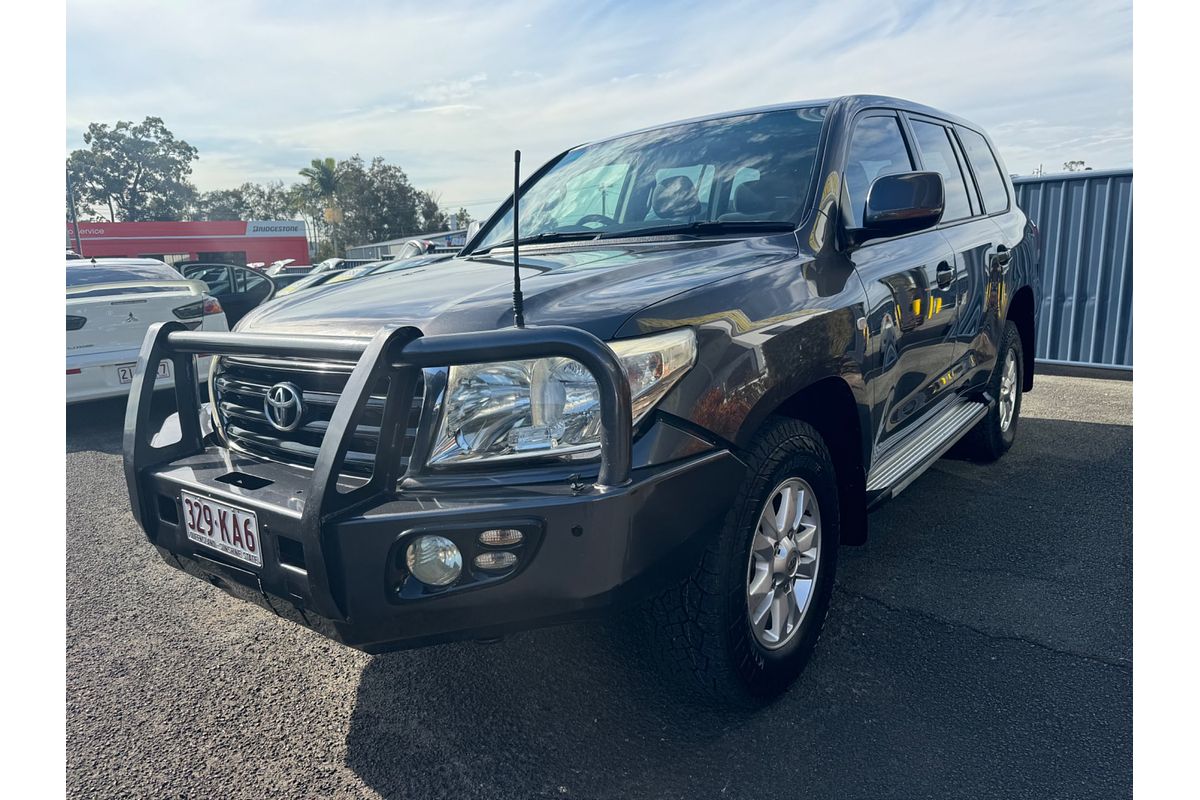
(250, 283)
(987, 172)
(877, 148)
(216, 278)
(938, 154)
(255, 282)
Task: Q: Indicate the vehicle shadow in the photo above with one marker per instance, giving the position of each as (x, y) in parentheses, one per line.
(99, 425)
(96, 425)
(438, 722)
(893, 698)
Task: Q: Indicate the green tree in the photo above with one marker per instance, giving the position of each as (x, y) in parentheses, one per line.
(433, 219)
(222, 204)
(170, 203)
(462, 219)
(324, 181)
(133, 172)
(378, 202)
(301, 204)
(324, 176)
(323, 251)
(271, 200)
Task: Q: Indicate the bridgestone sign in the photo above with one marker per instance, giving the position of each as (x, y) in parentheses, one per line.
(275, 228)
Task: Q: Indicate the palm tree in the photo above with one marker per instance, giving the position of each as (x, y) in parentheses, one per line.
(324, 180)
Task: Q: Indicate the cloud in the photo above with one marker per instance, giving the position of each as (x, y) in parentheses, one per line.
(449, 108)
(447, 92)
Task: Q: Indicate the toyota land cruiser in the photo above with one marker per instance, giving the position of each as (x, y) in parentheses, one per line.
(734, 336)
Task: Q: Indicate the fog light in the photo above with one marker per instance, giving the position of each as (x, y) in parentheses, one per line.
(434, 560)
(495, 560)
(501, 537)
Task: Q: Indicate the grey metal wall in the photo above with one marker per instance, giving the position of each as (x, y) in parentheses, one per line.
(445, 240)
(1086, 223)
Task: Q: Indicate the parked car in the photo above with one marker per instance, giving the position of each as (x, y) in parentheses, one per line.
(336, 276)
(308, 281)
(284, 280)
(238, 288)
(385, 267)
(341, 263)
(286, 266)
(111, 302)
(731, 338)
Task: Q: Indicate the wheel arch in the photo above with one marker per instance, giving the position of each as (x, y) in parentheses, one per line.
(1021, 312)
(829, 406)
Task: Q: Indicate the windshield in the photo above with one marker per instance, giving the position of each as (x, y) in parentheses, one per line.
(754, 168)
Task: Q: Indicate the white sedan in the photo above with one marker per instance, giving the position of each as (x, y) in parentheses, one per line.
(110, 304)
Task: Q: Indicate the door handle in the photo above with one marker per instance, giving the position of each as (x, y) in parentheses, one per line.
(945, 275)
(1003, 256)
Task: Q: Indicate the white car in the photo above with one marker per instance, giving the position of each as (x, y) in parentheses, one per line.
(111, 302)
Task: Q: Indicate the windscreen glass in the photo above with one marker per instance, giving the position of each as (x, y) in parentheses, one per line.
(754, 168)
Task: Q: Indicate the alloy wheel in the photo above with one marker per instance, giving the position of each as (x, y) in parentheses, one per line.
(784, 558)
(1008, 390)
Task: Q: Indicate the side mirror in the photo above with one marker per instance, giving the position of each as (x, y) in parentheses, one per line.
(899, 204)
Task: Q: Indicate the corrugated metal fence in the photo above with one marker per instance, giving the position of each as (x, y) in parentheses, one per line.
(1086, 223)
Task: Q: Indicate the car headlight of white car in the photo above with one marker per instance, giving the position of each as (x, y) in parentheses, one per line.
(549, 406)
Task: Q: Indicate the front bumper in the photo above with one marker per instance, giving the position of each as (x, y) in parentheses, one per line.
(584, 550)
(333, 547)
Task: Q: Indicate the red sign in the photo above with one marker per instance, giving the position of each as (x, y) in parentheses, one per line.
(232, 241)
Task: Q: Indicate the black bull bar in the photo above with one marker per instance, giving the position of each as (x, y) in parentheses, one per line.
(395, 352)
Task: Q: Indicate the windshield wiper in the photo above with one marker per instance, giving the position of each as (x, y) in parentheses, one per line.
(703, 227)
(544, 237)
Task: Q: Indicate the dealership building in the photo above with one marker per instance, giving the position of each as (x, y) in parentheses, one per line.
(226, 242)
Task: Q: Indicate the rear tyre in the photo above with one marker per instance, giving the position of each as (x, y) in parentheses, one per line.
(995, 433)
(741, 628)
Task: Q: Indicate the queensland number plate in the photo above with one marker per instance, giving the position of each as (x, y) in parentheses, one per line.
(125, 371)
(226, 529)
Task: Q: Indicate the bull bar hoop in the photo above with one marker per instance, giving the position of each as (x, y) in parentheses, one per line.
(396, 351)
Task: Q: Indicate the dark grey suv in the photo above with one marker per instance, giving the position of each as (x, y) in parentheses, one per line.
(742, 333)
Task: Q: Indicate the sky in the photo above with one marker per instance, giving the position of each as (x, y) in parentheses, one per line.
(447, 90)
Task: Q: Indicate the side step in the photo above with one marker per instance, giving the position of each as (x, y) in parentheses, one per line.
(900, 467)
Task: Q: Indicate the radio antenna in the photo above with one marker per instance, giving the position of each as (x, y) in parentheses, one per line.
(518, 298)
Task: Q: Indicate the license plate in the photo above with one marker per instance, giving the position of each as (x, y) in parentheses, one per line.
(224, 528)
(125, 371)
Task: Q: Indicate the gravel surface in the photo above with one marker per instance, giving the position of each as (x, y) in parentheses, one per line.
(978, 646)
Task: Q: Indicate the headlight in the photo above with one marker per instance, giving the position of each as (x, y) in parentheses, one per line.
(549, 406)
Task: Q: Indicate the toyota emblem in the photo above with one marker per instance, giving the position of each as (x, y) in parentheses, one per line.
(283, 406)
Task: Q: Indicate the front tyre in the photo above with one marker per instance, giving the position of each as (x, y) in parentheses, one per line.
(742, 627)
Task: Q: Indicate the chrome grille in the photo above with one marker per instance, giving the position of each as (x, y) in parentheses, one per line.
(241, 385)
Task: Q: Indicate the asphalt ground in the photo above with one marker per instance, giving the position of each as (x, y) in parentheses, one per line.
(978, 646)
